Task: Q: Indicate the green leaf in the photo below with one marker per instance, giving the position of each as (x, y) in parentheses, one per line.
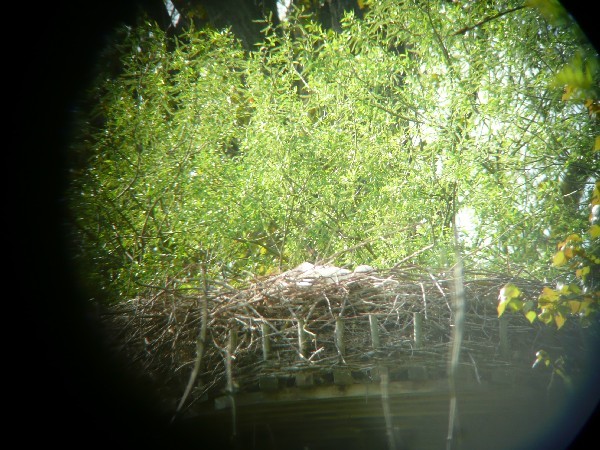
(551, 10)
(515, 305)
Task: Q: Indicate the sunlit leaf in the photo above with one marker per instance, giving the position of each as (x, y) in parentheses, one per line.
(560, 320)
(502, 307)
(575, 306)
(559, 259)
(509, 291)
(508, 298)
(581, 273)
(594, 231)
(548, 295)
(515, 305)
(578, 73)
(531, 316)
(597, 144)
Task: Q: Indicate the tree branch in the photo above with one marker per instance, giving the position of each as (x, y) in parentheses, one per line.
(486, 20)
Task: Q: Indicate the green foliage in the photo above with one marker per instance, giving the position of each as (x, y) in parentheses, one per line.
(365, 144)
(579, 296)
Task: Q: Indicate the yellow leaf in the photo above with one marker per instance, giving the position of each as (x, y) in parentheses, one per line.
(597, 144)
(575, 306)
(548, 295)
(581, 273)
(531, 316)
(501, 307)
(563, 288)
(560, 320)
(596, 194)
(595, 231)
(509, 291)
(559, 259)
(568, 92)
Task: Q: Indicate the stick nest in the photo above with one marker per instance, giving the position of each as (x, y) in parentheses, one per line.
(159, 334)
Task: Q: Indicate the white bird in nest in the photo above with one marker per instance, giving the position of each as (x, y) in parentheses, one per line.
(364, 268)
(306, 273)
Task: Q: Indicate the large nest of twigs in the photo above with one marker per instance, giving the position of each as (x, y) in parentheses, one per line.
(160, 334)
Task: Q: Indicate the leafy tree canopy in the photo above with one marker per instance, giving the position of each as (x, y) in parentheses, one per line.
(363, 145)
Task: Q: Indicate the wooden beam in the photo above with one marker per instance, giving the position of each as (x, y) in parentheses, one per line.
(374, 331)
(339, 336)
(355, 390)
(301, 338)
(266, 342)
(418, 330)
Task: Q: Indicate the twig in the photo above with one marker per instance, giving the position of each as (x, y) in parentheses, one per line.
(486, 20)
(424, 300)
(418, 252)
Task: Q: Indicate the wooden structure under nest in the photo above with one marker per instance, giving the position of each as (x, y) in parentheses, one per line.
(321, 326)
